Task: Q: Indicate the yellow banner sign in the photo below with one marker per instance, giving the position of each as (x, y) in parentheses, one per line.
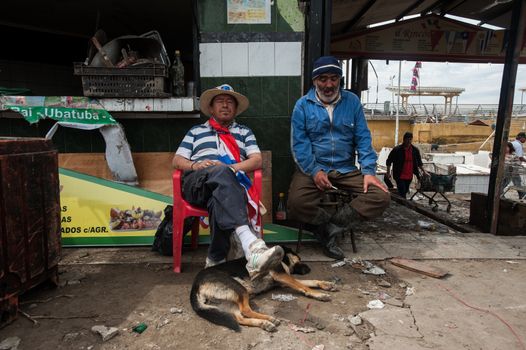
(102, 212)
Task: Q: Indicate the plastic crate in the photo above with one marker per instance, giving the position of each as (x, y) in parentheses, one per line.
(143, 81)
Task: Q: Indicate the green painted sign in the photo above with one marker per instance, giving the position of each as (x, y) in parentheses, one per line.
(64, 115)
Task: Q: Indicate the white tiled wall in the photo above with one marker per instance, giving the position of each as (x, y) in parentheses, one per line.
(250, 59)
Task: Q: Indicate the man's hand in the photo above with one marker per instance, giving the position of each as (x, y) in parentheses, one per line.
(322, 181)
(372, 180)
(205, 164)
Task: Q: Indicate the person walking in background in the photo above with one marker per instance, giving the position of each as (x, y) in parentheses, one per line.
(406, 161)
(512, 166)
(517, 145)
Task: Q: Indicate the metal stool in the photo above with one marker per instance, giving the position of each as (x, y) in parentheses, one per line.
(336, 199)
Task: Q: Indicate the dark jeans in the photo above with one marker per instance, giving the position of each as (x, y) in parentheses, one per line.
(217, 189)
(403, 187)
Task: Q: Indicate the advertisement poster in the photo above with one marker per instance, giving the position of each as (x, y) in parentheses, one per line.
(248, 11)
(97, 212)
(430, 37)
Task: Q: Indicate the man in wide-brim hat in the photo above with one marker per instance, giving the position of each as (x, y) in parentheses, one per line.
(215, 156)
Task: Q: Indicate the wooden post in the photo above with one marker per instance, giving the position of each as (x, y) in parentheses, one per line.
(502, 129)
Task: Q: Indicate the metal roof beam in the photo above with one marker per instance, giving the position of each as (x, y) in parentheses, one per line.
(491, 14)
(409, 9)
(357, 17)
(445, 11)
(434, 6)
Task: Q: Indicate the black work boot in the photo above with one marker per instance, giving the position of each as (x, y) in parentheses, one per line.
(326, 234)
(330, 246)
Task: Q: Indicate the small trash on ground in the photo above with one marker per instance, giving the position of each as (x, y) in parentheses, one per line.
(426, 225)
(363, 291)
(511, 262)
(366, 266)
(339, 264)
(283, 297)
(402, 285)
(338, 317)
(10, 343)
(141, 327)
(163, 323)
(409, 291)
(176, 310)
(375, 304)
(384, 283)
(105, 332)
(319, 347)
(504, 270)
(302, 329)
(355, 320)
(70, 336)
(383, 296)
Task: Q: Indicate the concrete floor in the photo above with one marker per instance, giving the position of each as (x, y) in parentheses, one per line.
(478, 305)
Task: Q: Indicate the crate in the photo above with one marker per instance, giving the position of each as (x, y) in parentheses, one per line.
(29, 219)
(141, 81)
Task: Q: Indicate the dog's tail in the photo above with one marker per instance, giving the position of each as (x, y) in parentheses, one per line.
(211, 312)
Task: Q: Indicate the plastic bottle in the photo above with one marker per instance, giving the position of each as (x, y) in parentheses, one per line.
(281, 212)
(177, 76)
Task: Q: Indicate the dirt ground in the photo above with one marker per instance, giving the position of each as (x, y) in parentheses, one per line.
(124, 295)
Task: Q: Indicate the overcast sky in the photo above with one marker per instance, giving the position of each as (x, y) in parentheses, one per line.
(481, 81)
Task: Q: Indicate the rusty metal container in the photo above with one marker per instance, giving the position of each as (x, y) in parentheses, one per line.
(29, 219)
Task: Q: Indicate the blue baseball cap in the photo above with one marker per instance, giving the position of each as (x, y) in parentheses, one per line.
(326, 65)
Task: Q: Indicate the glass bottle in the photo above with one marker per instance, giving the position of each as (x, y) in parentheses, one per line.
(281, 212)
(177, 75)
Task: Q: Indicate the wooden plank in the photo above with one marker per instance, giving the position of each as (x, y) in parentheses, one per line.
(419, 267)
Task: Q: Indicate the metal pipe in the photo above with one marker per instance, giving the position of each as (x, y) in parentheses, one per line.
(398, 103)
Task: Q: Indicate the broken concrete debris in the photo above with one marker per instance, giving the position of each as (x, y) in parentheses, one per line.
(375, 304)
(384, 283)
(366, 266)
(10, 343)
(355, 320)
(105, 332)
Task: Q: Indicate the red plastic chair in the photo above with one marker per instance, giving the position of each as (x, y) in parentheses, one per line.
(182, 210)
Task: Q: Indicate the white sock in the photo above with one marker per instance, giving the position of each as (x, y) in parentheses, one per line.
(246, 237)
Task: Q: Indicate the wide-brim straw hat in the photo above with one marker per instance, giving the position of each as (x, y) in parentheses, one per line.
(225, 89)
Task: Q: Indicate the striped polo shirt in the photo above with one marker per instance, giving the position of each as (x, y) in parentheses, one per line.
(202, 142)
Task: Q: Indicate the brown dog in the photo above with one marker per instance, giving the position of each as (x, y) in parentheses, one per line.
(230, 282)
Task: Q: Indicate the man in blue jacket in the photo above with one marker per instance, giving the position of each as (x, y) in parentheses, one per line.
(328, 129)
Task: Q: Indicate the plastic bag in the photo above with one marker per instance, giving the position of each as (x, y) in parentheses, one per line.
(163, 242)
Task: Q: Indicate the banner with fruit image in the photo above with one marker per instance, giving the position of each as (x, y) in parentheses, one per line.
(97, 212)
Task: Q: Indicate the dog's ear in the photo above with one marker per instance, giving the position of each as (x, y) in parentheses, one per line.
(301, 269)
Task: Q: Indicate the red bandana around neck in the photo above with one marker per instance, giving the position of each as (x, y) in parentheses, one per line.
(226, 137)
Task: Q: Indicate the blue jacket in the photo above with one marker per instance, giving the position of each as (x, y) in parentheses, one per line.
(317, 144)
